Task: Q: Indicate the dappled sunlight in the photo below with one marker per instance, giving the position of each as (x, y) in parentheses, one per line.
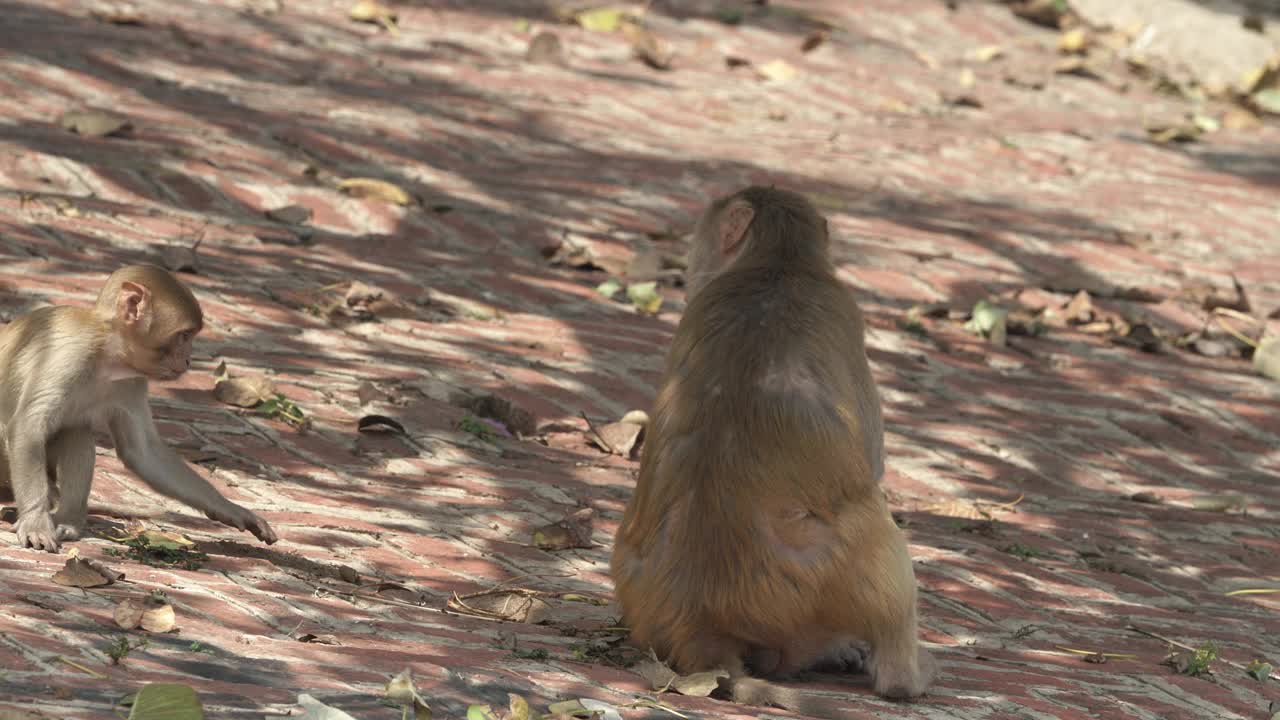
(1048, 487)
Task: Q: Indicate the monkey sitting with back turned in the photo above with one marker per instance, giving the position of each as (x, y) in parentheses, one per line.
(64, 369)
(758, 536)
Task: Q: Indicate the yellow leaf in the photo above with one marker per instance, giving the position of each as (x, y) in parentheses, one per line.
(987, 53)
(776, 71)
(645, 296)
(374, 188)
(1073, 41)
(371, 11)
(603, 19)
(1254, 591)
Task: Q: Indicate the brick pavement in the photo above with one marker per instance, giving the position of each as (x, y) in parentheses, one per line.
(237, 111)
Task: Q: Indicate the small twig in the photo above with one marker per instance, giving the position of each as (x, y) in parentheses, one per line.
(654, 704)
(599, 438)
(82, 668)
(1220, 313)
(1188, 648)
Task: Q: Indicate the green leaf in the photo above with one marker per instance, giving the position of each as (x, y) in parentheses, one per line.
(645, 296)
(160, 701)
(1259, 670)
(1266, 357)
(605, 19)
(985, 317)
(1268, 100)
(609, 288)
(480, 712)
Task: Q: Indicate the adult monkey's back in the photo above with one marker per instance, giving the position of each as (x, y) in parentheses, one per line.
(758, 535)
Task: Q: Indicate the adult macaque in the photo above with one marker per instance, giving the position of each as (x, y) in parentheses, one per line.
(758, 537)
(65, 369)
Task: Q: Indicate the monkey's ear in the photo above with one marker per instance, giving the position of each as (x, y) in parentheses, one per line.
(734, 222)
(134, 304)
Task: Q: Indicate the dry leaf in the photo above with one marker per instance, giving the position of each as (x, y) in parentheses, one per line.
(318, 639)
(77, 572)
(1080, 309)
(1240, 119)
(313, 709)
(371, 11)
(504, 605)
(368, 392)
(245, 392)
(360, 294)
(128, 614)
(400, 689)
(180, 258)
(371, 423)
(1239, 303)
(987, 53)
(158, 619)
(777, 71)
(290, 214)
(94, 123)
(571, 252)
(519, 707)
(573, 531)
(1182, 131)
(116, 13)
(813, 40)
(620, 437)
(636, 417)
(545, 49)
(1266, 357)
(1055, 14)
(651, 49)
(960, 508)
(1076, 66)
(1218, 502)
(374, 189)
(504, 411)
(961, 99)
(662, 678)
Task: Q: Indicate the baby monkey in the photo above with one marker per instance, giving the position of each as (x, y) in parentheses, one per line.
(758, 536)
(64, 370)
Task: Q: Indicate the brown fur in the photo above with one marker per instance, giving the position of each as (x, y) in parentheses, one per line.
(758, 529)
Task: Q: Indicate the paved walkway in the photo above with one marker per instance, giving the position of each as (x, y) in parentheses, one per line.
(237, 109)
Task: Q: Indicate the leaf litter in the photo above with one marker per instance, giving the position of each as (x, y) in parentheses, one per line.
(662, 678)
(152, 614)
(573, 531)
(400, 690)
(84, 573)
(166, 701)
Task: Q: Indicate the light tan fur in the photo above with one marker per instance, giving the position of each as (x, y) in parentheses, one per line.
(65, 370)
(758, 530)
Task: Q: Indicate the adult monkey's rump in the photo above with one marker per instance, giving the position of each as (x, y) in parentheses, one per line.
(758, 535)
